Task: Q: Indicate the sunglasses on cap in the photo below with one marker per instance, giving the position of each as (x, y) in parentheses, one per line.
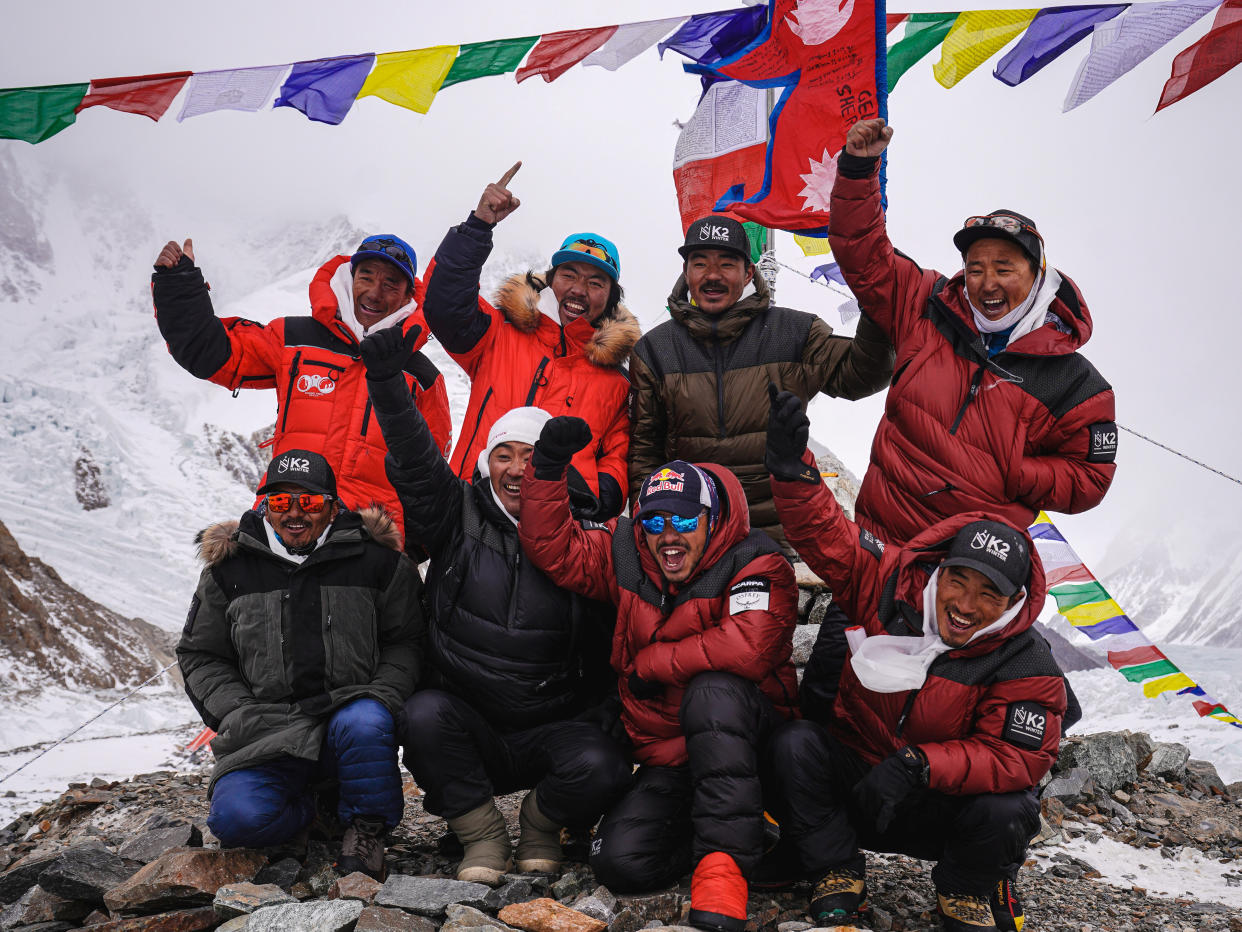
(1003, 222)
(310, 502)
(387, 247)
(655, 524)
(592, 248)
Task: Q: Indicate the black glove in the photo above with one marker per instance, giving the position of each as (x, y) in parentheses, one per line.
(559, 440)
(789, 429)
(386, 352)
(888, 783)
(644, 689)
(607, 717)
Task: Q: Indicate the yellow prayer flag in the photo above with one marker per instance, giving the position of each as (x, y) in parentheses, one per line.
(975, 37)
(410, 79)
(1166, 683)
(1092, 613)
(812, 245)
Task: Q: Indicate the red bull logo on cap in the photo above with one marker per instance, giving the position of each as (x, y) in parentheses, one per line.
(666, 480)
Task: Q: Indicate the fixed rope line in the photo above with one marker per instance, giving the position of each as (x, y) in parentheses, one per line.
(93, 718)
(1128, 430)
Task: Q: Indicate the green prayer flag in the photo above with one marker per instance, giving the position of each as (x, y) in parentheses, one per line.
(1147, 671)
(1078, 594)
(757, 233)
(924, 31)
(480, 59)
(33, 114)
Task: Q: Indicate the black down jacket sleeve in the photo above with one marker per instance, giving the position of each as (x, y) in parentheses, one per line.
(451, 305)
(430, 494)
(195, 336)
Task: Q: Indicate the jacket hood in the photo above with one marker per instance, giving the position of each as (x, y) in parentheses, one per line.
(218, 542)
(733, 527)
(606, 344)
(927, 549)
(326, 309)
(1047, 339)
(728, 324)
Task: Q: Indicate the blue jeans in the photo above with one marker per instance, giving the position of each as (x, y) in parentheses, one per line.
(270, 803)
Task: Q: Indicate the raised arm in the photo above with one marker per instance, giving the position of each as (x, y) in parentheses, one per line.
(849, 368)
(648, 420)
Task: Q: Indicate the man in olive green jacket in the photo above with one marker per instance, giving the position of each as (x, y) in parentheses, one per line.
(700, 381)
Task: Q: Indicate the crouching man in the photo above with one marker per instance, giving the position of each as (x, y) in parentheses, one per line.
(949, 710)
(705, 616)
(302, 642)
(515, 662)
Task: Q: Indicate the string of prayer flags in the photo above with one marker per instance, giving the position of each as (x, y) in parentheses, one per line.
(924, 31)
(1083, 601)
(148, 95)
(410, 79)
(246, 89)
(708, 37)
(631, 40)
(812, 245)
(557, 52)
(33, 114)
(1205, 61)
(1053, 32)
(484, 59)
(1121, 43)
(974, 38)
(325, 89)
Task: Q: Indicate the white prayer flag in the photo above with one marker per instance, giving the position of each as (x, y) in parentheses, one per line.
(237, 89)
(631, 40)
(730, 116)
(1121, 43)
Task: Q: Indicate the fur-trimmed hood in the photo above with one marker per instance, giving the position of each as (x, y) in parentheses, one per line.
(608, 346)
(218, 542)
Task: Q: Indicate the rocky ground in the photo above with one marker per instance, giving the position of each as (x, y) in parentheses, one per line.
(136, 856)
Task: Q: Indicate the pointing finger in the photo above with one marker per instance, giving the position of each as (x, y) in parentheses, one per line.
(508, 176)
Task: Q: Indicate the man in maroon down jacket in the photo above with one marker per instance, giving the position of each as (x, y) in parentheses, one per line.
(705, 614)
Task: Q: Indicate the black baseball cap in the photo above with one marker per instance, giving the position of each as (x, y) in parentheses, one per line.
(681, 489)
(716, 232)
(301, 468)
(1002, 224)
(998, 551)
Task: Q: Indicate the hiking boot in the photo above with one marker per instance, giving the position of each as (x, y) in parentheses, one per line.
(718, 895)
(485, 840)
(539, 845)
(964, 912)
(362, 849)
(1006, 907)
(839, 898)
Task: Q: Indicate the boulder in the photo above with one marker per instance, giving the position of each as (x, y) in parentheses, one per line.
(429, 896)
(1168, 760)
(148, 846)
(1205, 772)
(1108, 756)
(183, 920)
(355, 886)
(460, 918)
(238, 899)
(1070, 785)
(85, 872)
(37, 905)
(320, 916)
(379, 919)
(183, 878)
(547, 915)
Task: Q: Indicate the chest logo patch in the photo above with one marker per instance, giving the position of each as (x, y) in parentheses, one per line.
(315, 385)
(1025, 725)
(750, 595)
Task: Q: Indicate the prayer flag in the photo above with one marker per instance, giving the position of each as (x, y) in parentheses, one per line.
(829, 273)
(720, 148)
(326, 88)
(410, 79)
(484, 59)
(1167, 683)
(812, 245)
(823, 53)
(924, 31)
(631, 40)
(1119, 44)
(246, 89)
(33, 114)
(146, 95)
(709, 37)
(1205, 61)
(976, 37)
(1052, 32)
(893, 20)
(557, 52)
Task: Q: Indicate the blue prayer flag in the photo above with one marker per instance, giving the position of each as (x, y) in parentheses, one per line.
(709, 37)
(1052, 32)
(326, 88)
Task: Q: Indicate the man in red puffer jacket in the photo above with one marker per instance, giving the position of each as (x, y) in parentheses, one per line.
(312, 362)
(705, 614)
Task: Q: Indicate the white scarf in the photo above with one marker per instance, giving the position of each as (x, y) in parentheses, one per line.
(885, 663)
(277, 546)
(343, 287)
(1028, 315)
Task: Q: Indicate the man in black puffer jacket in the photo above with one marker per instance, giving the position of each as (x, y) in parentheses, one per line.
(513, 677)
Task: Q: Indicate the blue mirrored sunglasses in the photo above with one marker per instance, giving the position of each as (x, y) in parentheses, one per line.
(655, 524)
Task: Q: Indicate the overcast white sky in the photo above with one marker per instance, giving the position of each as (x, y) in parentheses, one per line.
(1139, 209)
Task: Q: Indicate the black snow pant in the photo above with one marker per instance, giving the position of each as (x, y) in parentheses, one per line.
(674, 816)
(461, 762)
(975, 840)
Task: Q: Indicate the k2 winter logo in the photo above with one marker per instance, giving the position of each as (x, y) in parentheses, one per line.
(1025, 725)
(293, 464)
(315, 385)
(994, 546)
(1103, 448)
(713, 233)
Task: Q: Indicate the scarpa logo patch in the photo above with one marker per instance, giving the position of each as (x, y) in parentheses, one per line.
(1103, 442)
(750, 595)
(315, 385)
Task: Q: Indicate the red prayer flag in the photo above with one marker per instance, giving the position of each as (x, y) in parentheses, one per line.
(1137, 655)
(201, 739)
(699, 184)
(146, 95)
(1202, 63)
(557, 52)
(893, 20)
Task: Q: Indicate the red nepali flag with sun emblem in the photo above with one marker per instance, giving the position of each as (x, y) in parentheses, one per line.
(825, 55)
